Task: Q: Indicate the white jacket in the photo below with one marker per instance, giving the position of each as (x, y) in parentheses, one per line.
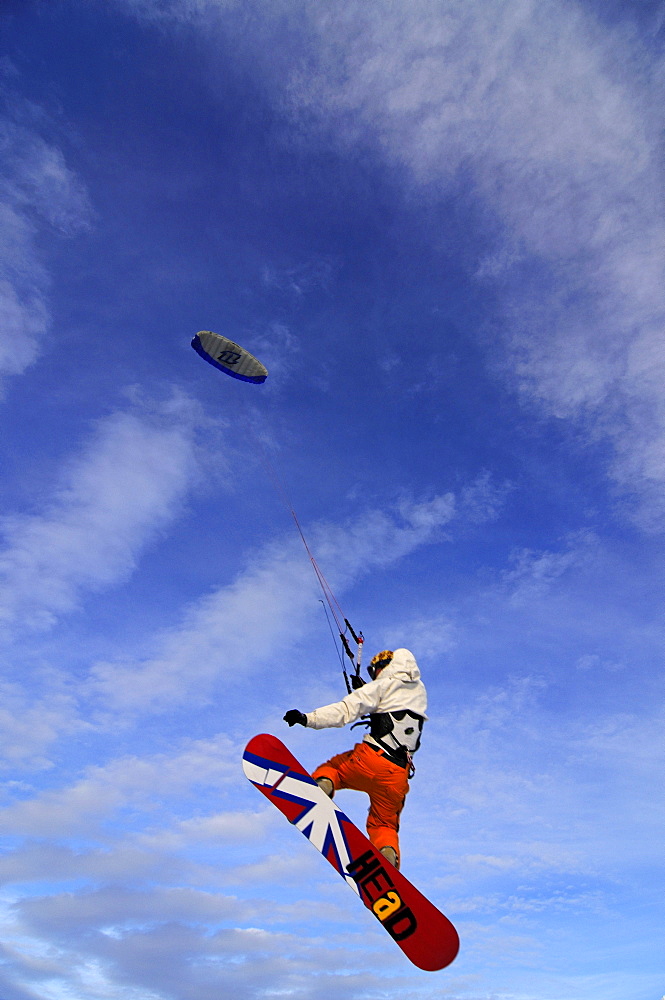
(397, 687)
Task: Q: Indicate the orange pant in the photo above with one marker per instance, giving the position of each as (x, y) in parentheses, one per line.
(365, 770)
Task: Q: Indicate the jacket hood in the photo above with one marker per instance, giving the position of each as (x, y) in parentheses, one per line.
(403, 666)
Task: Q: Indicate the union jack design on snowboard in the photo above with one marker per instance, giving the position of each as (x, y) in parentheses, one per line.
(423, 933)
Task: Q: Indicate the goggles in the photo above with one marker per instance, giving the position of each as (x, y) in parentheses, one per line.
(378, 664)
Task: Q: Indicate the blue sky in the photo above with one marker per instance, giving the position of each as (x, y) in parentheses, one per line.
(440, 226)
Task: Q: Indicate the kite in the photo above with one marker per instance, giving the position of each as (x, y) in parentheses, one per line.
(234, 360)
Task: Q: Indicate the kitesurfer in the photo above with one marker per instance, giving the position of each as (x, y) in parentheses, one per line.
(395, 702)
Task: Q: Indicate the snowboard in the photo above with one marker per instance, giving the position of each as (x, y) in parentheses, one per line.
(423, 933)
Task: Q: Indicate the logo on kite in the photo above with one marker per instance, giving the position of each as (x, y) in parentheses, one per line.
(229, 357)
(222, 353)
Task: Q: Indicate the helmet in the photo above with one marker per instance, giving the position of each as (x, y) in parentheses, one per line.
(378, 662)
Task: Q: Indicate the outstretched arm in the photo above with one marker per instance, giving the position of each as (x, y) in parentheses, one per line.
(353, 706)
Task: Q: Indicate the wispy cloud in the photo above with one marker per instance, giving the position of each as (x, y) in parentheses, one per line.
(139, 782)
(537, 800)
(552, 120)
(127, 482)
(94, 938)
(297, 281)
(547, 120)
(549, 795)
(37, 189)
(428, 638)
(69, 947)
(29, 725)
(237, 628)
(510, 821)
(534, 574)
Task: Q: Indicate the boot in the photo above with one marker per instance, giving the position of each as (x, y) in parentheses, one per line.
(327, 786)
(390, 854)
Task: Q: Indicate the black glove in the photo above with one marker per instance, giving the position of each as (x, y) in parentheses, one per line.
(356, 681)
(293, 716)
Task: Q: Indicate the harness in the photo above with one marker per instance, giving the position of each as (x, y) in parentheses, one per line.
(397, 734)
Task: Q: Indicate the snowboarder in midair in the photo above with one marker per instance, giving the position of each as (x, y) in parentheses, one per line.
(395, 702)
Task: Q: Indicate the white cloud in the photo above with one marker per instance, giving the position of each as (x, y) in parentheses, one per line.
(36, 187)
(38, 179)
(117, 907)
(224, 634)
(554, 121)
(232, 631)
(592, 661)
(177, 10)
(275, 348)
(67, 951)
(82, 808)
(126, 484)
(510, 818)
(550, 120)
(275, 868)
(527, 791)
(28, 726)
(534, 574)
(300, 279)
(42, 862)
(234, 826)
(427, 638)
